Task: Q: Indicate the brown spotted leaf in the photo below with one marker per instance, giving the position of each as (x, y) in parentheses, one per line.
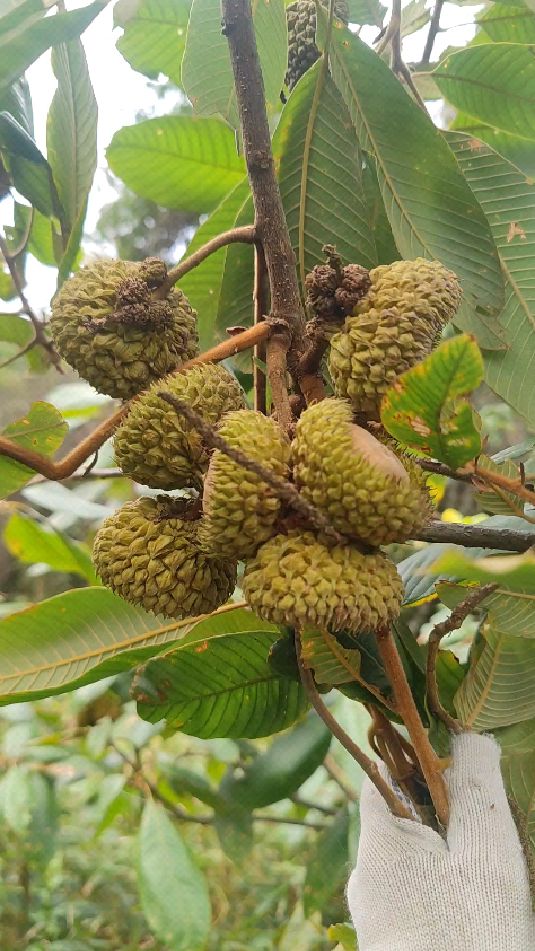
(427, 409)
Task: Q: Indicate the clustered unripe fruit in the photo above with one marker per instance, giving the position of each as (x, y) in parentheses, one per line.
(107, 323)
(393, 327)
(302, 49)
(178, 557)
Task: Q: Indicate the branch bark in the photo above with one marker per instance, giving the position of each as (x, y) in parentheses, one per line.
(270, 222)
(476, 536)
(407, 710)
(245, 235)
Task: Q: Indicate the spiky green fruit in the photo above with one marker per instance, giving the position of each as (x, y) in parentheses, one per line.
(107, 325)
(302, 49)
(394, 327)
(239, 508)
(156, 446)
(359, 483)
(148, 553)
(295, 579)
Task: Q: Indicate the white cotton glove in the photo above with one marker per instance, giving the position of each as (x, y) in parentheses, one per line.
(413, 891)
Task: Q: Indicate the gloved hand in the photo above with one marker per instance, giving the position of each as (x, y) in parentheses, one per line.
(413, 891)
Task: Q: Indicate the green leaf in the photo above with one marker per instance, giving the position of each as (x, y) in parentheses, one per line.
(203, 285)
(414, 16)
(16, 100)
(42, 430)
(511, 147)
(44, 813)
(183, 162)
(19, 51)
(512, 572)
(16, 140)
(494, 82)
(206, 70)
(154, 36)
(320, 176)
(366, 12)
(219, 687)
(425, 410)
(30, 543)
(427, 199)
(19, 16)
(283, 768)
(77, 638)
(41, 243)
(345, 935)
(16, 330)
(327, 868)
(173, 892)
(72, 134)
(507, 24)
(508, 199)
(518, 771)
(332, 664)
(516, 739)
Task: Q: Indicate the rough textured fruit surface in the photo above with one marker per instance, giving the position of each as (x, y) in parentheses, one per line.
(149, 555)
(333, 293)
(394, 327)
(239, 508)
(108, 327)
(302, 49)
(357, 481)
(295, 579)
(156, 446)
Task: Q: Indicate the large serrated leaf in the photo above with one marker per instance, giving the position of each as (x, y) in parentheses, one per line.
(19, 51)
(42, 430)
(206, 70)
(430, 206)
(283, 768)
(154, 36)
(74, 639)
(494, 82)
(320, 175)
(157, 157)
(174, 895)
(72, 143)
(425, 408)
(508, 199)
(220, 687)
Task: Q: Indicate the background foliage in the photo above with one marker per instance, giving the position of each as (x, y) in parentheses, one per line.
(115, 831)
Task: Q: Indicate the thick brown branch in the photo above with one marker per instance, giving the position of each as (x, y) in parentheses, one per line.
(370, 768)
(476, 536)
(407, 710)
(270, 222)
(439, 631)
(260, 305)
(434, 27)
(245, 235)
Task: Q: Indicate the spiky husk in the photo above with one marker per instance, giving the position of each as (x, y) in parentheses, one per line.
(121, 351)
(395, 326)
(424, 290)
(359, 483)
(156, 446)
(295, 579)
(149, 555)
(302, 49)
(239, 508)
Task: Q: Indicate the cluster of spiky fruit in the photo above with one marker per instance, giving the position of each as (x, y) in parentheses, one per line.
(302, 49)
(391, 319)
(179, 556)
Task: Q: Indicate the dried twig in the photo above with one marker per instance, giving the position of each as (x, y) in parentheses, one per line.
(370, 768)
(478, 476)
(434, 27)
(407, 710)
(40, 337)
(439, 631)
